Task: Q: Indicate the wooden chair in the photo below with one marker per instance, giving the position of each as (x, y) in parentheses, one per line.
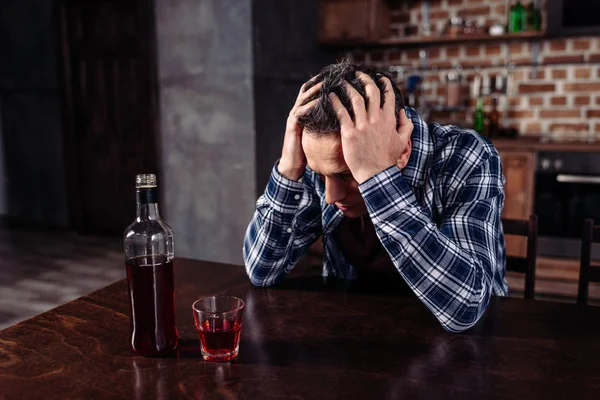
(526, 265)
(587, 272)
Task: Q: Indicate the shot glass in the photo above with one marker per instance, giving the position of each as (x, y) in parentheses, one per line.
(219, 323)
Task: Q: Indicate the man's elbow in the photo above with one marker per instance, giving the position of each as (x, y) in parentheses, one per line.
(255, 278)
(458, 326)
(261, 272)
(465, 318)
(250, 265)
(259, 281)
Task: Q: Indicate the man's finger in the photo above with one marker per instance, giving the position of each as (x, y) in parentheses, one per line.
(305, 85)
(373, 94)
(358, 104)
(340, 111)
(390, 98)
(310, 92)
(300, 111)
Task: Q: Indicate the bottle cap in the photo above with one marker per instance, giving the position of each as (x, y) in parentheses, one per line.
(145, 181)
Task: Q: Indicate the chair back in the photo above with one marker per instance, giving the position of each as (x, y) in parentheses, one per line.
(525, 265)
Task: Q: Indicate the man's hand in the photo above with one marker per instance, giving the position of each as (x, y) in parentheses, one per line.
(293, 161)
(371, 142)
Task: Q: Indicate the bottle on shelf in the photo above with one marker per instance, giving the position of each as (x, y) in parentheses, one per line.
(528, 12)
(453, 86)
(536, 23)
(515, 18)
(479, 117)
(478, 114)
(499, 86)
(486, 85)
(148, 244)
(532, 18)
(494, 120)
(455, 27)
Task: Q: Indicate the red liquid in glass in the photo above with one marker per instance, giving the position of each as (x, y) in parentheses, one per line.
(220, 339)
(152, 301)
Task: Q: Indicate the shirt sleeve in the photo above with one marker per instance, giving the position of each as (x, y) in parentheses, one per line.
(450, 267)
(286, 222)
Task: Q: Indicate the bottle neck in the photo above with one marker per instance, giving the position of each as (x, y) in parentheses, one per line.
(479, 103)
(147, 211)
(147, 204)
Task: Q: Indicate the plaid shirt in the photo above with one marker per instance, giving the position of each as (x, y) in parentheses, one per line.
(438, 219)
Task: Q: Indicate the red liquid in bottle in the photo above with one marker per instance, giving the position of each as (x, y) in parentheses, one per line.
(152, 301)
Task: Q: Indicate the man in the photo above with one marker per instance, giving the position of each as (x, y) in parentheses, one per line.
(384, 190)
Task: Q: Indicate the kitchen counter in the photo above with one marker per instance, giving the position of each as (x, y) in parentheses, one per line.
(535, 143)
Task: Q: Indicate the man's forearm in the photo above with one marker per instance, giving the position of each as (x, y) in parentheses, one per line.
(451, 280)
(286, 222)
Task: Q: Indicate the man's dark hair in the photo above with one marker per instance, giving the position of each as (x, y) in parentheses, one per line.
(321, 119)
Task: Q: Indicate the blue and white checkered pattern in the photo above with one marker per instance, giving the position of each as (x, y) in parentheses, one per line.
(438, 218)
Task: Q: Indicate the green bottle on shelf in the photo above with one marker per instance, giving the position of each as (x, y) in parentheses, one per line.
(515, 18)
(479, 117)
(532, 18)
(528, 17)
(536, 19)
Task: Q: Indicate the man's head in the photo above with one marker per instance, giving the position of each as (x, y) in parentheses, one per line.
(321, 119)
(321, 140)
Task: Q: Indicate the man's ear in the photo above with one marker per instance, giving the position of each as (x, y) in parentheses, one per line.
(405, 131)
(403, 160)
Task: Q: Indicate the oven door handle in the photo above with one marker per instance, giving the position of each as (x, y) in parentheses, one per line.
(564, 178)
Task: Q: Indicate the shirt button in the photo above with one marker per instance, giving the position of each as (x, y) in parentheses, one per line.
(289, 230)
(297, 197)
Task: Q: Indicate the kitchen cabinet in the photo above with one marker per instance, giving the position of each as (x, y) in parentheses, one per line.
(518, 168)
(353, 21)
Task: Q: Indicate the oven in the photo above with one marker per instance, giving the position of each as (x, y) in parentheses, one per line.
(572, 17)
(567, 190)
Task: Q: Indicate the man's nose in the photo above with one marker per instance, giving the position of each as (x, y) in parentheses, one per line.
(334, 191)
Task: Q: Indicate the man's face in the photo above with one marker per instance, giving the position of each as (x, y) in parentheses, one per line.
(324, 156)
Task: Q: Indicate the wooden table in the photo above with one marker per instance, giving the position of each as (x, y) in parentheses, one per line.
(307, 340)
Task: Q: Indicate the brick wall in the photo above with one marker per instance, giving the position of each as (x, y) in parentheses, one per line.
(554, 87)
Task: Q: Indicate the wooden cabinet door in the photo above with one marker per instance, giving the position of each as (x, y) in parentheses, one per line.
(110, 96)
(353, 20)
(518, 169)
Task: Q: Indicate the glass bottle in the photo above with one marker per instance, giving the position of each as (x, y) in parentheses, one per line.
(148, 243)
(528, 15)
(510, 15)
(494, 125)
(536, 23)
(453, 89)
(479, 117)
(515, 20)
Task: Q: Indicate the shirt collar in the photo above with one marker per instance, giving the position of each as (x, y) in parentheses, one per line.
(422, 148)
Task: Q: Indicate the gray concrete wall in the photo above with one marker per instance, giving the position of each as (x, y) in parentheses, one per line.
(207, 124)
(32, 181)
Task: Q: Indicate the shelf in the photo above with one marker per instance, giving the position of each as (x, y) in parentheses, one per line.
(448, 109)
(436, 40)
